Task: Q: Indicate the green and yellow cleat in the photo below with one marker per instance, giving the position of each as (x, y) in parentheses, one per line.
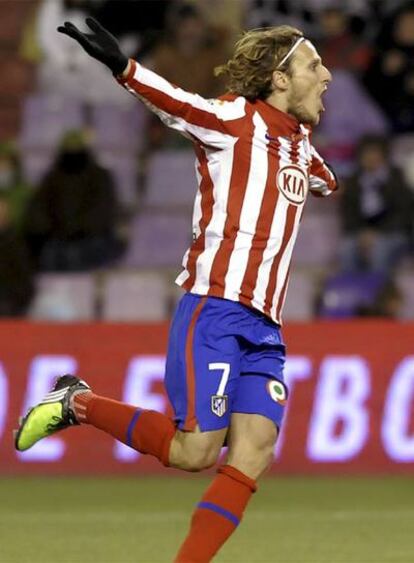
(51, 415)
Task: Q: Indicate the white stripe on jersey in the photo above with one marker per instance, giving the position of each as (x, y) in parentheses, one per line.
(207, 136)
(220, 167)
(197, 209)
(250, 212)
(285, 259)
(272, 247)
(276, 234)
(220, 109)
(224, 110)
(304, 156)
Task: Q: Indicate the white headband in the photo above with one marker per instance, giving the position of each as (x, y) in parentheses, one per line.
(292, 50)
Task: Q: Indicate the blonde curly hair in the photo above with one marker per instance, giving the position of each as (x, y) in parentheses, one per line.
(256, 56)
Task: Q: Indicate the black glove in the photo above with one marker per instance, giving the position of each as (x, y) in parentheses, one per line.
(100, 44)
(333, 172)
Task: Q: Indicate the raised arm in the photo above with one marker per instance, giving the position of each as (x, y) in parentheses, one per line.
(192, 115)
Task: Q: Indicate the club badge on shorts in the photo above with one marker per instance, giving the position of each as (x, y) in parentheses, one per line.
(278, 391)
(219, 404)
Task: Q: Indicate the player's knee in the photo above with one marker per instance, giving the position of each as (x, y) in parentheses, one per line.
(254, 456)
(267, 456)
(253, 462)
(266, 449)
(195, 452)
(200, 460)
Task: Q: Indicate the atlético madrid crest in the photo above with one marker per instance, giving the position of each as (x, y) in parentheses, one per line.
(219, 404)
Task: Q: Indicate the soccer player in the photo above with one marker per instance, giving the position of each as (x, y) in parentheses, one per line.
(224, 372)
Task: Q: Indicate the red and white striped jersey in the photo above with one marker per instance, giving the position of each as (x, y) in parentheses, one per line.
(255, 166)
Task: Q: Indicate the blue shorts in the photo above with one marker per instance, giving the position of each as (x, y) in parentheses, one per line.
(223, 358)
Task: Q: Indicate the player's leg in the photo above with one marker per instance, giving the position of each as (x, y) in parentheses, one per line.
(71, 402)
(190, 447)
(258, 409)
(150, 432)
(251, 442)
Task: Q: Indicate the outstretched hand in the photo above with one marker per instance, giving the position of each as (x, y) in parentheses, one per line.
(100, 44)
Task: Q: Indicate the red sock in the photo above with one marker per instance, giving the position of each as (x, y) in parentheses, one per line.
(149, 432)
(217, 515)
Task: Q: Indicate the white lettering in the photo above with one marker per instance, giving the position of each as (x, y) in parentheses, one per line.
(398, 410)
(4, 399)
(297, 368)
(339, 424)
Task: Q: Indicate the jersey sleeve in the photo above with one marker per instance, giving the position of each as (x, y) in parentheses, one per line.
(192, 115)
(322, 180)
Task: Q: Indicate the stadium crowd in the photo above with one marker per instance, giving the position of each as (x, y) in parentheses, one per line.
(96, 195)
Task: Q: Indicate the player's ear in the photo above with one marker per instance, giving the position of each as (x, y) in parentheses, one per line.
(280, 80)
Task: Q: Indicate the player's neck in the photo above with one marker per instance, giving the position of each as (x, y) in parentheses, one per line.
(279, 101)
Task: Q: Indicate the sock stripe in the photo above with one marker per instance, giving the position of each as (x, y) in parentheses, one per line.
(131, 427)
(220, 510)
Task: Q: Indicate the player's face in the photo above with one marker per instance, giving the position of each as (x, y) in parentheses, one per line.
(309, 80)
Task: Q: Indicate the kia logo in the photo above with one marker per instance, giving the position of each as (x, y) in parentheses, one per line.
(293, 183)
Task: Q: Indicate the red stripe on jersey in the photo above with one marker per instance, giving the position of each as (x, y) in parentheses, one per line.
(190, 419)
(263, 226)
(283, 293)
(294, 149)
(207, 202)
(271, 286)
(290, 221)
(242, 155)
(170, 105)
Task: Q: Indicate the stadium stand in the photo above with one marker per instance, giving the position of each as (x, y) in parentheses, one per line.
(171, 179)
(135, 296)
(64, 298)
(157, 239)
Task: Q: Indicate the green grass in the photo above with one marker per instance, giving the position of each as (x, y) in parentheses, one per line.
(301, 520)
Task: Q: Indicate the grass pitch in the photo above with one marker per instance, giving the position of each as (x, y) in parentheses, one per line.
(143, 520)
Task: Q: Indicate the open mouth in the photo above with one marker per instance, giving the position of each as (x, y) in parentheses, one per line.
(321, 99)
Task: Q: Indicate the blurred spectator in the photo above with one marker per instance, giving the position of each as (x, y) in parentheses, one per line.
(348, 294)
(390, 78)
(66, 70)
(265, 13)
(13, 187)
(226, 14)
(387, 303)
(350, 113)
(16, 281)
(360, 294)
(303, 13)
(337, 45)
(377, 211)
(187, 57)
(72, 218)
(190, 52)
